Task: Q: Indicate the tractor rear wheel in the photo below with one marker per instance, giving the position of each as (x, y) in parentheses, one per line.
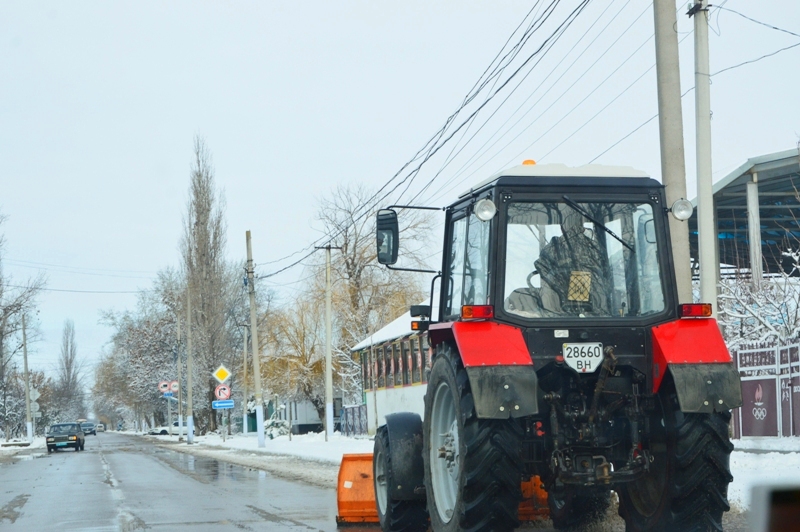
(473, 467)
(577, 508)
(687, 485)
(394, 515)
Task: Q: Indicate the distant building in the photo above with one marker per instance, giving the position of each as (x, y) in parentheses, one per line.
(756, 213)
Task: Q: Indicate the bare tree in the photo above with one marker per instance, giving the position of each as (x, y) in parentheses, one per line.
(364, 292)
(69, 379)
(16, 299)
(208, 279)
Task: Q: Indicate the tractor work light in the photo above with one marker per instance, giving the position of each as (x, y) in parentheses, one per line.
(682, 209)
(695, 310)
(477, 312)
(485, 210)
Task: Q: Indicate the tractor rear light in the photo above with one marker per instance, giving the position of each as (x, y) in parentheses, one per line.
(420, 325)
(695, 310)
(477, 312)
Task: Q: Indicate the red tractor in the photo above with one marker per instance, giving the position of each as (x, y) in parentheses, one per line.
(560, 351)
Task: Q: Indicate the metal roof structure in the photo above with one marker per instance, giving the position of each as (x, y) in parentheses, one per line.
(778, 183)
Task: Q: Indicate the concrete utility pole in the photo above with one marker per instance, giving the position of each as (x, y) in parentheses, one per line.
(180, 386)
(254, 344)
(244, 386)
(328, 342)
(328, 357)
(189, 366)
(28, 421)
(670, 125)
(707, 234)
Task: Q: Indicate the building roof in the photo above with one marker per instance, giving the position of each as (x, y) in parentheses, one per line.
(778, 177)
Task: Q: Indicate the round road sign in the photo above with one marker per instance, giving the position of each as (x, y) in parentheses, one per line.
(163, 386)
(223, 391)
(174, 386)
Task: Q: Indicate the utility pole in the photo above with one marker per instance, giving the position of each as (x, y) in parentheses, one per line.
(254, 344)
(244, 385)
(328, 341)
(189, 367)
(28, 422)
(180, 386)
(670, 126)
(707, 234)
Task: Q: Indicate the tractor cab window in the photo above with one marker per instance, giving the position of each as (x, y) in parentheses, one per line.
(581, 260)
(468, 264)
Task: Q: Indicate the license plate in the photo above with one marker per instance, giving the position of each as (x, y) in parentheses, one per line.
(61, 444)
(583, 358)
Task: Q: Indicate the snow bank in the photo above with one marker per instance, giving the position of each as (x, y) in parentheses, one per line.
(751, 469)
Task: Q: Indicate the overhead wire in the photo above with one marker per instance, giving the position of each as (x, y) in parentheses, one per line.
(438, 143)
(726, 69)
(460, 171)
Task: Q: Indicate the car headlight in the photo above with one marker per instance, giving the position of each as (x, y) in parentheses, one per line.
(73, 437)
(51, 439)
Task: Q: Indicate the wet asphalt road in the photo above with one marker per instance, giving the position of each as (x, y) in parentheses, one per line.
(126, 483)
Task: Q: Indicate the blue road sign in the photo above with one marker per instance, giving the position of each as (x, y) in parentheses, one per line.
(222, 405)
(168, 394)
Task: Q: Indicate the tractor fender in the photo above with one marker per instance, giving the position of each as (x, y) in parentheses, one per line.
(407, 477)
(694, 353)
(704, 388)
(499, 366)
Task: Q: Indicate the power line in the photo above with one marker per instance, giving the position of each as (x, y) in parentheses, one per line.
(770, 26)
(84, 291)
(435, 143)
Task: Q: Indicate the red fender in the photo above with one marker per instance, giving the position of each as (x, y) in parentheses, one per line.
(483, 343)
(686, 341)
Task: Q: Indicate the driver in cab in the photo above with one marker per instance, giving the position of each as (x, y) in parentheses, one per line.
(573, 270)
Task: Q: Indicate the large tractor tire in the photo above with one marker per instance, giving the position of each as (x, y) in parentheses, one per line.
(473, 467)
(577, 508)
(687, 486)
(394, 515)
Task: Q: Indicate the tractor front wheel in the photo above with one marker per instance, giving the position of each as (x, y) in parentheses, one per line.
(473, 467)
(394, 515)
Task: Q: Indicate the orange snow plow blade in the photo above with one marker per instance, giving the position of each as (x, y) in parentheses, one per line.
(355, 494)
(534, 501)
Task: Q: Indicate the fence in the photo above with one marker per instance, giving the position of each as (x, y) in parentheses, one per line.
(354, 420)
(770, 391)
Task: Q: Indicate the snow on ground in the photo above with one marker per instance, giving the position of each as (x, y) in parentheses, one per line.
(10, 448)
(781, 466)
(306, 458)
(310, 459)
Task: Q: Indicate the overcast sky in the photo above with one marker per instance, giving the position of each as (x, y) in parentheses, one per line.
(100, 101)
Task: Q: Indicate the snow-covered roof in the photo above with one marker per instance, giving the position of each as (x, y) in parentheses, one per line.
(562, 170)
(399, 327)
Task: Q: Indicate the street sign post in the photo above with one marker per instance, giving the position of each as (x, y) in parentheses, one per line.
(222, 405)
(34, 394)
(163, 386)
(168, 394)
(174, 386)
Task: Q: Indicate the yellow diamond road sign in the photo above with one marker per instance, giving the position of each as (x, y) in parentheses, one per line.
(222, 374)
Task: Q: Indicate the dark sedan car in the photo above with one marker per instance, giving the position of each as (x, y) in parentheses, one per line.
(89, 428)
(63, 435)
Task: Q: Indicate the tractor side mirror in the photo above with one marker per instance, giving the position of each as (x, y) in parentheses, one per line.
(420, 311)
(387, 236)
(650, 231)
